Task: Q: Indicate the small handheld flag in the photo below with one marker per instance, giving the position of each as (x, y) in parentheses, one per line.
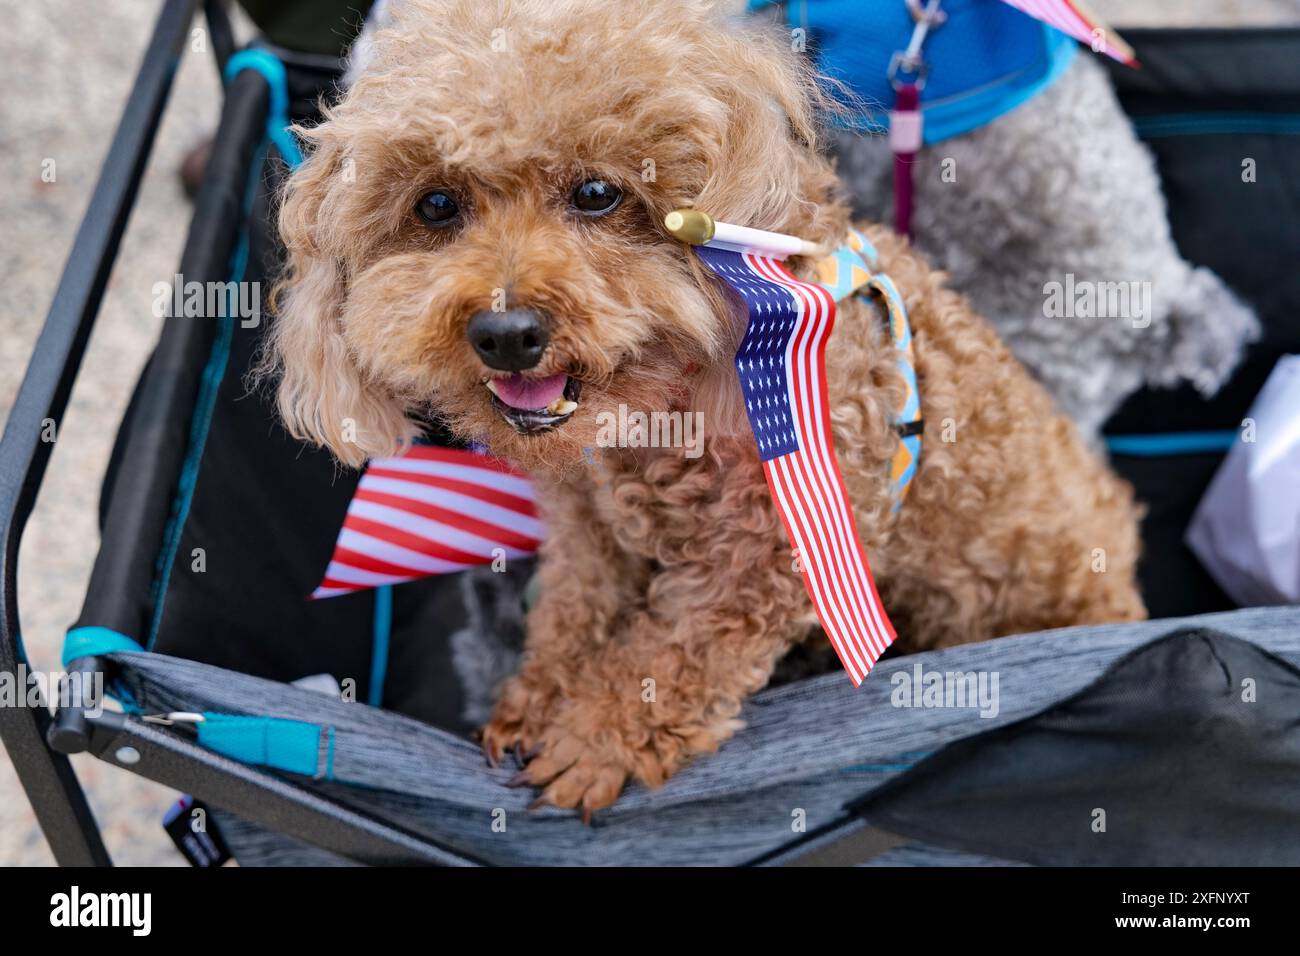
(782, 367)
(430, 511)
(1075, 19)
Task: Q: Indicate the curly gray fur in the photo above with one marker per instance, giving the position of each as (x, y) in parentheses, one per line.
(486, 650)
(1061, 185)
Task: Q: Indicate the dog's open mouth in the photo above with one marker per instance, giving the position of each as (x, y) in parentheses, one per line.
(534, 404)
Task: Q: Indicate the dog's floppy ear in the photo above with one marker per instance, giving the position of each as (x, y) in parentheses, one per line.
(322, 395)
(767, 170)
(717, 397)
(760, 125)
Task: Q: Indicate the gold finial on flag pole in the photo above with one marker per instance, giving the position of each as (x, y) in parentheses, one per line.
(700, 229)
(690, 225)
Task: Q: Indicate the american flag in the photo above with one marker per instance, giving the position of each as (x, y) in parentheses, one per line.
(430, 511)
(1073, 18)
(782, 368)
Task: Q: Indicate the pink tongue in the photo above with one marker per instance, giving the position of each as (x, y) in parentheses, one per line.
(530, 394)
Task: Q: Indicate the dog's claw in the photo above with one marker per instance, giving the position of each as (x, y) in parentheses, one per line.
(540, 802)
(496, 744)
(586, 816)
(519, 780)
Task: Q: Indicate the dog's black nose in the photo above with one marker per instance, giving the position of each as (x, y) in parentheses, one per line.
(511, 341)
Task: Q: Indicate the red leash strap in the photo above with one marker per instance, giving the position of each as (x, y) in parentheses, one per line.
(905, 126)
(907, 73)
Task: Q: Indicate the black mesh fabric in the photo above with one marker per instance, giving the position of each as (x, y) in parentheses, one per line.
(1183, 753)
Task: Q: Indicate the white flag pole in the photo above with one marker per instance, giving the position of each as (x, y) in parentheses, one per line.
(701, 229)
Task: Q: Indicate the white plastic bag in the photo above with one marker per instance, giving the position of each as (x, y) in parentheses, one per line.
(1246, 530)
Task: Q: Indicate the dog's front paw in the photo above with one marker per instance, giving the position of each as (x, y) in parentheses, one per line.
(589, 751)
(521, 715)
(577, 767)
(581, 736)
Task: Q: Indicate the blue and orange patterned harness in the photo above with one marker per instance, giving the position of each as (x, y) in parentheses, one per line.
(852, 270)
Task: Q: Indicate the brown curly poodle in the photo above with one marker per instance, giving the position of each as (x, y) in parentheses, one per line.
(477, 235)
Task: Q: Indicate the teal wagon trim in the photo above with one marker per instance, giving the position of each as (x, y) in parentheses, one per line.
(1172, 443)
(293, 746)
(1211, 124)
(96, 642)
(277, 119)
(383, 628)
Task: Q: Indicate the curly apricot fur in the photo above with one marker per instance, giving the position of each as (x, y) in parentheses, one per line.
(658, 566)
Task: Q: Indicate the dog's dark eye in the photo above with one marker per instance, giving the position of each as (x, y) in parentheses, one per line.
(596, 197)
(437, 208)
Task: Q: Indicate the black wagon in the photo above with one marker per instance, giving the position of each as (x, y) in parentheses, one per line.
(1144, 720)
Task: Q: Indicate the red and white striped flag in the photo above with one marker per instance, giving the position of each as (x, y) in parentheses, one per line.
(782, 368)
(1073, 18)
(431, 511)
